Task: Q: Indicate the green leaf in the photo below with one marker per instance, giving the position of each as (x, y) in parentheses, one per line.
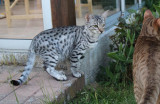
(129, 35)
(133, 38)
(109, 73)
(118, 68)
(129, 61)
(131, 50)
(116, 56)
(118, 76)
(132, 11)
(157, 8)
(120, 47)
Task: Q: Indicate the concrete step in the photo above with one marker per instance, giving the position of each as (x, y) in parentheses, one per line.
(40, 88)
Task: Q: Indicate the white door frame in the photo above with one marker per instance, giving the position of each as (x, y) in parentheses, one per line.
(25, 43)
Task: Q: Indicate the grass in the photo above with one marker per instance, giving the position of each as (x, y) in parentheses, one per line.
(105, 95)
(14, 90)
(9, 60)
(49, 97)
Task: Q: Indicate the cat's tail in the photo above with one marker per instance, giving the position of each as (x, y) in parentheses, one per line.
(27, 69)
(151, 92)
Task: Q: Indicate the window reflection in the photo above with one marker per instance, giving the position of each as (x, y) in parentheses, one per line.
(129, 3)
(98, 7)
(23, 21)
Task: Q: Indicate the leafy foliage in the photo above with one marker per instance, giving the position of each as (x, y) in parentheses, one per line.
(119, 70)
(156, 13)
(149, 4)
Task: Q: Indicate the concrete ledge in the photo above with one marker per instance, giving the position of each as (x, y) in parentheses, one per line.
(40, 88)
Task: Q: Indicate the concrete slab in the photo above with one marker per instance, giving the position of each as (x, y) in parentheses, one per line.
(40, 87)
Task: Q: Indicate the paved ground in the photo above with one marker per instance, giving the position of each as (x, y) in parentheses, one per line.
(41, 87)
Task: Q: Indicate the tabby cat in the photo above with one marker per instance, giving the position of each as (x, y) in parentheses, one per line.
(57, 44)
(146, 62)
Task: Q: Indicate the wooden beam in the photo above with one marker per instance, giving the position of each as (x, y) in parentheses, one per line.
(27, 6)
(63, 13)
(13, 4)
(29, 16)
(78, 7)
(8, 12)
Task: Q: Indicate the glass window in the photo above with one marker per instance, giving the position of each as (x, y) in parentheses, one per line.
(129, 3)
(23, 21)
(112, 5)
(95, 7)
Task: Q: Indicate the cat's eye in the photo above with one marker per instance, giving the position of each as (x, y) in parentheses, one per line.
(103, 25)
(95, 25)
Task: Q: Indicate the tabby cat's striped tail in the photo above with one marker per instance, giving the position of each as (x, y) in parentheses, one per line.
(27, 69)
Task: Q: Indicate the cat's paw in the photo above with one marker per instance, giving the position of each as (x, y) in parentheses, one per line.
(77, 74)
(60, 77)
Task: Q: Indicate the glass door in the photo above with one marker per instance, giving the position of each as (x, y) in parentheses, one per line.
(20, 19)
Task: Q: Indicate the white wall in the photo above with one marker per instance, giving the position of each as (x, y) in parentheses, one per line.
(14, 44)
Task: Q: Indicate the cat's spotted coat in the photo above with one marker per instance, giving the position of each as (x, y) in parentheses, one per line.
(57, 44)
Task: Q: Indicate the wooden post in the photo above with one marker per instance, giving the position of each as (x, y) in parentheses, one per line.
(78, 7)
(63, 13)
(90, 5)
(8, 12)
(26, 6)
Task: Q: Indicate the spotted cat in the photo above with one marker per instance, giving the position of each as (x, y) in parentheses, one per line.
(57, 44)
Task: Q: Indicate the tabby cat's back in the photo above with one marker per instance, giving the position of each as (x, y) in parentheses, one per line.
(146, 62)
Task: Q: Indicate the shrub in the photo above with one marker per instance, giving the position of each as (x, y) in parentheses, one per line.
(149, 4)
(119, 70)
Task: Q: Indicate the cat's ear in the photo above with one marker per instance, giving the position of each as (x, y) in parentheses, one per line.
(158, 22)
(87, 17)
(147, 14)
(105, 14)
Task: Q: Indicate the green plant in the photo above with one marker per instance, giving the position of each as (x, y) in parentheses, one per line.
(13, 60)
(104, 95)
(6, 59)
(49, 96)
(9, 60)
(156, 6)
(119, 70)
(13, 89)
(149, 4)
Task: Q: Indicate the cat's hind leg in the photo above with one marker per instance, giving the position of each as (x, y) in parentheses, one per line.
(50, 62)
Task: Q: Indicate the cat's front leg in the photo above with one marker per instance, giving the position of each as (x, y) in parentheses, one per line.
(74, 68)
(75, 62)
